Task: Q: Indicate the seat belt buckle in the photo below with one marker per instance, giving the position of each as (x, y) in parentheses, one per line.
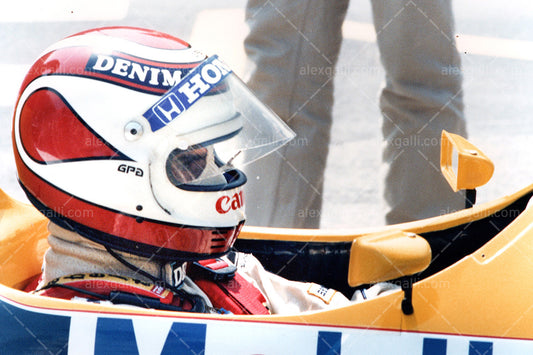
(217, 270)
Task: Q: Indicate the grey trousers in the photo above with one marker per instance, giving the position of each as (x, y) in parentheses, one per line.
(421, 96)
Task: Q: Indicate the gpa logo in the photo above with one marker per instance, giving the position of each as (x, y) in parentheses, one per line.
(226, 203)
(128, 169)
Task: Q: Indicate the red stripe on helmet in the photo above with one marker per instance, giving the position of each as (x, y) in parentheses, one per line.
(46, 114)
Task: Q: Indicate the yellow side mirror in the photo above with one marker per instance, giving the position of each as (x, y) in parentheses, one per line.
(464, 166)
(387, 256)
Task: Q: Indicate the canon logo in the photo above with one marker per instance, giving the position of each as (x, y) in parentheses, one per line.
(226, 203)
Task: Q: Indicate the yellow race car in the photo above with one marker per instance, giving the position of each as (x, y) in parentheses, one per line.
(465, 288)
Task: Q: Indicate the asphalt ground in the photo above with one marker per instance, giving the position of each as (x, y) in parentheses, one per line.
(495, 39)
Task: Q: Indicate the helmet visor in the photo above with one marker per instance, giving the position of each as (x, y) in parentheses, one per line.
(211, 123)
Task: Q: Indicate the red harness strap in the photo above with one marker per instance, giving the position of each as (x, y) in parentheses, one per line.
(112, 288)
(233, 293)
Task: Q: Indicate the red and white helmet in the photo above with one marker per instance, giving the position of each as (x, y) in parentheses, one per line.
(130, 137)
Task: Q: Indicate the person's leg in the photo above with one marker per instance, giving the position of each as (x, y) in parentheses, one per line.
(422, 96)
(293, 46)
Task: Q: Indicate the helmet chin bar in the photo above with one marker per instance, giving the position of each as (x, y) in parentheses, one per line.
(195, 202)
(150, 251)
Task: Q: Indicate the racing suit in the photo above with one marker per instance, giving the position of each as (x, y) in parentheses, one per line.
(71, 254)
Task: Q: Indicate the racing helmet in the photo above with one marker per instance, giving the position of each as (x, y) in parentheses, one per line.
(132, 138)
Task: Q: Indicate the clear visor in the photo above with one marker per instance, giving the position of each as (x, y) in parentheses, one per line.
(210, 124)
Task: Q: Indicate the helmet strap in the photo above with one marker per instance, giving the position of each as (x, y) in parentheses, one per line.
(198, 303)
(156, 280)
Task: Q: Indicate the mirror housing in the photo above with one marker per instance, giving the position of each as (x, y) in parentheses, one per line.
(387, 256)
(464, 166)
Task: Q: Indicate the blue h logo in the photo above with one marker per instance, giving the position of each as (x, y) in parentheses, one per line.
(169, 108)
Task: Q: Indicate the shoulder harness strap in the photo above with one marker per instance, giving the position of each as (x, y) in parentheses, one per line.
(226, 288)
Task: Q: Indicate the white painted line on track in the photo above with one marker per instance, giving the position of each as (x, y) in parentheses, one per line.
(12, 76)
(63, 10)
(469, 44)
(224, 30)
(495, 47)
(220, 31)
(359, 31)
